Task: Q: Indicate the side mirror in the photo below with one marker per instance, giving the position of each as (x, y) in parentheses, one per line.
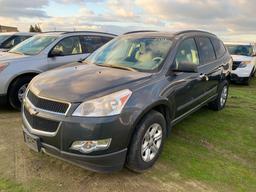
(55, 53)
(185, 66)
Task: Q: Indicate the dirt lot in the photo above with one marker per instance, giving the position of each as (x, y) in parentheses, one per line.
(209, 151)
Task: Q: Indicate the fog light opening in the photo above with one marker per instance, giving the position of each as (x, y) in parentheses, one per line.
(90, 146)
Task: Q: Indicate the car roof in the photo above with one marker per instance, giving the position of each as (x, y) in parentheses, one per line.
(149, 33)
(59, 33)
(19, 33)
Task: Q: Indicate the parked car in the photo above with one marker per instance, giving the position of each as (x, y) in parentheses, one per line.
(244, 61)
(41, 53)
(118, 106)
(10, 40)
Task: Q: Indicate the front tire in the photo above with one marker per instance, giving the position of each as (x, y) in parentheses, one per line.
(220, 102)
(147, 142)
(17, 91)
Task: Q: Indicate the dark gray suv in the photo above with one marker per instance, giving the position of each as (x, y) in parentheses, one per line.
(118, 106)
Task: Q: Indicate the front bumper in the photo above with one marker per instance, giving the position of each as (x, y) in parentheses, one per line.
(236, 79)
(98, 163)
(243, 72)
(72, 129)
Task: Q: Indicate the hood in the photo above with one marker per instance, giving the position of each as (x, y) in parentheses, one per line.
(8, 57)
(81, 82)
(241, 58)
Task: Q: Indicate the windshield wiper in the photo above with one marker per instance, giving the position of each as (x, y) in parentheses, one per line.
(118, 67)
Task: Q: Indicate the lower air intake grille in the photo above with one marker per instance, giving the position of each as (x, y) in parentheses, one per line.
(41, 123)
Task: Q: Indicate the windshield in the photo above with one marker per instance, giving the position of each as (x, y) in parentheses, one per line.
(245, 50)
(141, 54)
(3, 38)
(33, 45)
(13, 41)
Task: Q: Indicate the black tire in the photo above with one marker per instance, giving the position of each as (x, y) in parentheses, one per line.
(217, 105)
(253, 72)
(135, 160)
(14, 89)
(248, 81)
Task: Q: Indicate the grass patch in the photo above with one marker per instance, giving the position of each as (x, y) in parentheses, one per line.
(208, 151)
(217, 148)
(10, 186)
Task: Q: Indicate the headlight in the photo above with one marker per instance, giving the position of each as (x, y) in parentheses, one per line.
(244, 64)
(108, 105)
(3, 66)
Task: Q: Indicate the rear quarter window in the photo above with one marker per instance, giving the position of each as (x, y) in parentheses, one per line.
(206, 50)
(219, 47)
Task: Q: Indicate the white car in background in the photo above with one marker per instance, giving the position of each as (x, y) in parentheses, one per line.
(40, 53)
(10, 40)
(244, 61)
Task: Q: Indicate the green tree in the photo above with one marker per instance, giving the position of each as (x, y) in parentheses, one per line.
(35, 28)
(38, 29)
(31, 28)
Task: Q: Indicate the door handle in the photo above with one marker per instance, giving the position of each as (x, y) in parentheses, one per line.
(204, 77)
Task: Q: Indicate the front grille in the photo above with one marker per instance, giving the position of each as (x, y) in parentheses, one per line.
(236, 65)
(41, 123)
(48, 105)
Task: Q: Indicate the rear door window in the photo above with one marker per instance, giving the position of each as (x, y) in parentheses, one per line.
(206, 51)
(187, 53)
(219, 47)
(91, 43)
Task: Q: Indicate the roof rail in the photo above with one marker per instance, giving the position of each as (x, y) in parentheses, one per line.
(140, 31)
(54, 32)
(191, 31)
(66, 32)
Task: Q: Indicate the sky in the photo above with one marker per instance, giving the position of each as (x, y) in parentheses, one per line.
(231, 20)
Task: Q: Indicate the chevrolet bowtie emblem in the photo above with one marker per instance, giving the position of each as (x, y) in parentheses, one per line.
(33, 111)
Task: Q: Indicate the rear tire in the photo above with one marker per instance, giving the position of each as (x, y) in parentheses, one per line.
(147, 142)
(17, 91)
(220, 102)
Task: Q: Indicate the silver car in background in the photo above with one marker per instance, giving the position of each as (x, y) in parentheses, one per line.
(40, 53)
(10, 40)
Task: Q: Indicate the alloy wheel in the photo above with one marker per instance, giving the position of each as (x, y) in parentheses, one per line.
(21, 92)
(224, 95)
(151, 142)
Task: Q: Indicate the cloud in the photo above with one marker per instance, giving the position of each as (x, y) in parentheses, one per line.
(27, 8)
(230, 18)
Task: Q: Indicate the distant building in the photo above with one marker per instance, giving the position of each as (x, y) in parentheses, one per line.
(8, 29)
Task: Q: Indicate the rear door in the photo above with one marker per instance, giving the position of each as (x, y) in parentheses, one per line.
(210, 66)
(69, 49)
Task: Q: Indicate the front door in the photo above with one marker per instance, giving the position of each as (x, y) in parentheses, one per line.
(188, 86)
(66, 51)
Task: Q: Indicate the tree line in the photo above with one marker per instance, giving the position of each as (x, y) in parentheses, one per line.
(36, 28)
